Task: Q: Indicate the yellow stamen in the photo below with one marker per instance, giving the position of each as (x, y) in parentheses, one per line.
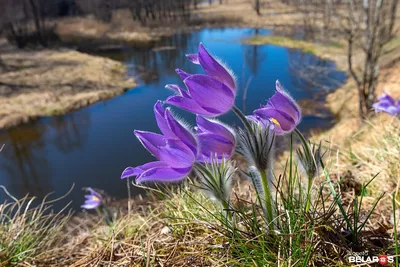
(95, 198)
(275, 121)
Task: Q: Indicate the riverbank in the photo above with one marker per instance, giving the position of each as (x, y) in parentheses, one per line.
(54, 82)
(122, 30)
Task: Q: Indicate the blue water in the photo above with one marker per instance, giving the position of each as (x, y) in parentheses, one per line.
(92, 146)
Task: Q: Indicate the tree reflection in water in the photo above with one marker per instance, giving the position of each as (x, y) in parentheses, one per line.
(25, 161)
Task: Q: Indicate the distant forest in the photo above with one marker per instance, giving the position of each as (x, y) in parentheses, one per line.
(27, 21)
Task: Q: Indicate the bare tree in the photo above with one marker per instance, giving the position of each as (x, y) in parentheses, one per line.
(366, 25)
(257, 7)
(195, 3)
(146, 11)
(369, 26)
(26, 21)
(101, 9)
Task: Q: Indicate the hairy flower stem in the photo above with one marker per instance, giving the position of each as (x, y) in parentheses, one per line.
(242, 117)
(268, 200)
(310, 178)
(225, 205)
(308, 203)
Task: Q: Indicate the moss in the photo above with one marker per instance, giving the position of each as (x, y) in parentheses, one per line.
(394, 42)
(53, 111)
(309, 51)
(305, 46)
(336, 44)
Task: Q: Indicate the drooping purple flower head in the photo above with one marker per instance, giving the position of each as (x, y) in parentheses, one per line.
(93, 199)
(216, 140)
(210, 94)
(175, 149)
(281, 110)
(387, 104)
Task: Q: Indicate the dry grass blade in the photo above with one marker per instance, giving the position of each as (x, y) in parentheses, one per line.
(28, 229)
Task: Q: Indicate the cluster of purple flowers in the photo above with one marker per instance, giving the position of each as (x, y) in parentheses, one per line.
(207, 95)
(209, 145)
(179, 148)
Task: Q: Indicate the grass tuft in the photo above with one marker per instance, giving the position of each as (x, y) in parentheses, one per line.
(28, 229)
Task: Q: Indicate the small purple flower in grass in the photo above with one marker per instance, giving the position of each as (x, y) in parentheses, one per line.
(93, 199)
(281, 110)
(176, 150)
(216, 140)
(210, 94)
(387, 104)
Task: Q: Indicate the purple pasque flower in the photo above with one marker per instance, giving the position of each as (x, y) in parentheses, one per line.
(387, 104)
(210, 94)
(93, 199)
(216, 140)
(175, 149)
(281, 110)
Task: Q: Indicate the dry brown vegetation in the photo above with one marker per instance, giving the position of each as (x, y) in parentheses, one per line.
(46, 83)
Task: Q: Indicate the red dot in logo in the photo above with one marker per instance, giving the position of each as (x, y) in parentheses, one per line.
(383, 259)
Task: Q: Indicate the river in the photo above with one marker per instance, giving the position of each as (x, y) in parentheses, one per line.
(92, 146)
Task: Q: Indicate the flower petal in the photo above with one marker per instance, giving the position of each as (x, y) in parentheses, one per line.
(387, 107)
(264, 122)
(282, 101)
(182, 74)
(177, 89)
(213, 144)
(211, 94)
(181, 132)
(194, 58)
(387, 98)
(93, 193)
(90, 205)
(214, 68)
(136, 171)
(215, 127)
(151, 141)
(176, 154)
(285, 122)
(189, 104)
(159, 113)
(163, 174)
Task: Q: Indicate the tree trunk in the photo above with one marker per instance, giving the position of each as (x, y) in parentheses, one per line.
(257, 7)
(38, 18)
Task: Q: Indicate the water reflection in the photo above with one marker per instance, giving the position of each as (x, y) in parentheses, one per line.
(69, 135)
(92, 146)
(23, 157)
(310, 74)
(26, 158)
